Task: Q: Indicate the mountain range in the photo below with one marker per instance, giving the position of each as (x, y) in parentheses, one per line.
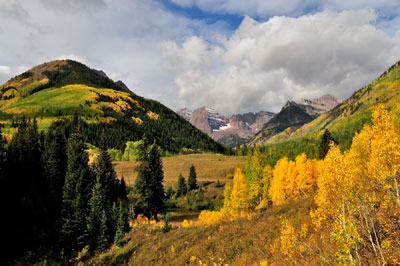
(240, 128)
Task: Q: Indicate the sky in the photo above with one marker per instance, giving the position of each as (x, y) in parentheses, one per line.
(232, 55)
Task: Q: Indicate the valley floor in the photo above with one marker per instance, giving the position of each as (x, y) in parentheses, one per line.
(209, 168)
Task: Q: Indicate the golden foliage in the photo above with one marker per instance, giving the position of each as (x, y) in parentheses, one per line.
(152, 115)
(137, 120)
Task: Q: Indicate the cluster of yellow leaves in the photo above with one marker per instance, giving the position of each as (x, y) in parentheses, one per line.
(136, 103)
(137, 120)
(140, 220)
(107, 120)
(152, 115)
(288, 241)
(293, 180)
(187, 224)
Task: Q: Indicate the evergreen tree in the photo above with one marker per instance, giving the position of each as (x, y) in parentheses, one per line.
(157, 187)
(181, 189)
(148, 184)
(54, 161)
(28, 186)
(170, 192)
(103, 242)
(105, 174)
(96, 205)
(192, 179)
(326, 141)
(121, 225)
(76, 193)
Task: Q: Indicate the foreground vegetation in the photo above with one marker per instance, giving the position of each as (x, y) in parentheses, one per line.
(342, 210)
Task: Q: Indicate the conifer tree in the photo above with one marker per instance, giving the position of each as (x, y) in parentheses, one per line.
(192, 179)
(103, 242)
(30, 189)
(170, 192)
(157, 187)
(121, 225)
(76, 193)
(326, 141)
(96, 206)
(148, 184)
(54, 161)
(181, 189)
(105, 173)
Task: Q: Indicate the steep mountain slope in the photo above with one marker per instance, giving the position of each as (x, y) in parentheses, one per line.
(293, 115)
(62, 88)
(207, 119)
(350, 116)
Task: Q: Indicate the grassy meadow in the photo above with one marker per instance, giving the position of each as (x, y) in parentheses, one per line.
(209, 168)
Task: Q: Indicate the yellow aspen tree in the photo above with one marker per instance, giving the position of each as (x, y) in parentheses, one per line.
(277, 190)
(334, 206)
(290, 186)
(239, 197)
(307, 176)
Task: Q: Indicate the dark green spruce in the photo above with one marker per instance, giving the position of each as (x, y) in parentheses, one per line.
(192, 179)
(148, 184)
(181, 190)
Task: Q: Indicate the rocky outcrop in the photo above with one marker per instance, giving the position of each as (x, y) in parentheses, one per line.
(320, 105)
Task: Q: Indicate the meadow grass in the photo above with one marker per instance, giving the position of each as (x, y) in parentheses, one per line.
(209, 168)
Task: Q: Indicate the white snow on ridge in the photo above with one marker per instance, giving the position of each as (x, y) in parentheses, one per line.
(223, 127)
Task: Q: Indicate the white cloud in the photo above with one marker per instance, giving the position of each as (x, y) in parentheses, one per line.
(264, 64)
(267, 8)
(181, 61)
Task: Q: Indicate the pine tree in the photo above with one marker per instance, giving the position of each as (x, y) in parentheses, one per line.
(103, 242)
(181, 189)
(105, 173)
(157, 173)
(326, 141)
(121, 227)
(54, 161)
(29, 187)
(148, 184)
(170, 192)
(76, 193)
(96, 205)
(192, 179)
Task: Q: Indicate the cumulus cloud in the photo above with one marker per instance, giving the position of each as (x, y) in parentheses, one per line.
(264, 64)
(181, 61)
(121, 38)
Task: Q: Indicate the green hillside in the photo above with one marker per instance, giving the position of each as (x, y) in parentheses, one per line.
(350, 116)
(63, 88)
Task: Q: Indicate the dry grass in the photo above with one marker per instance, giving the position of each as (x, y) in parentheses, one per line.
(209, 168)
(241, 242)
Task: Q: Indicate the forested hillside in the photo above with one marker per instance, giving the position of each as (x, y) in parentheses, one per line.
(64, 88)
